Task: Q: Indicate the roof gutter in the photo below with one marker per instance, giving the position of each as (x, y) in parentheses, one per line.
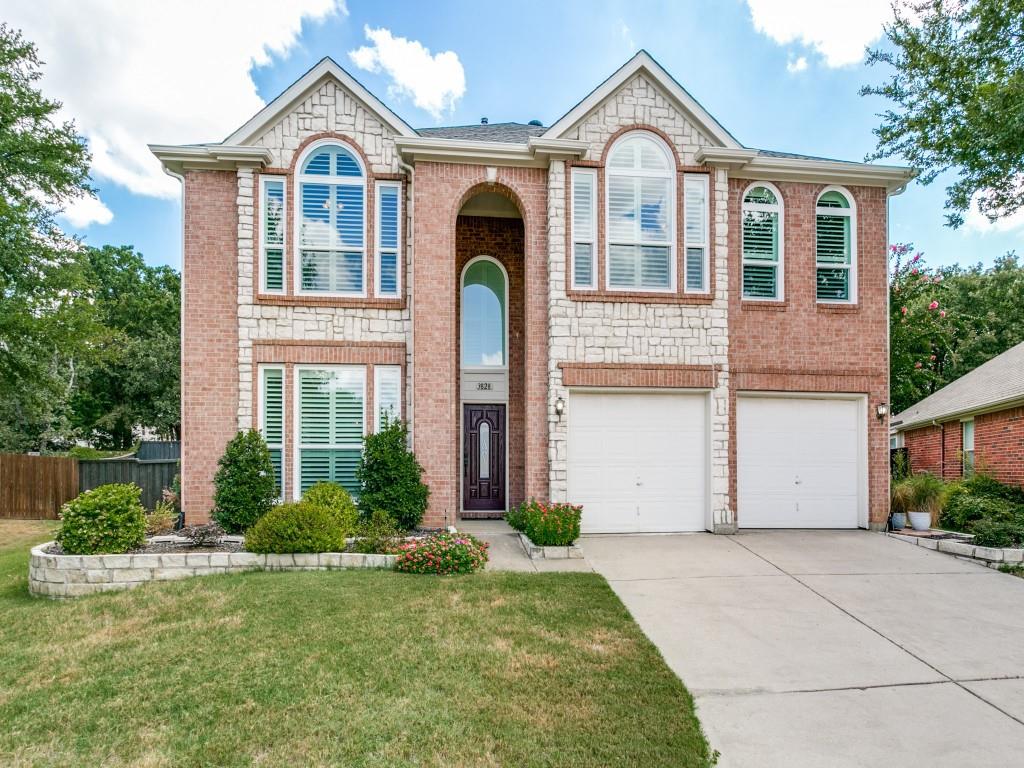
(537, 152)
(999, 405)
(209, 157)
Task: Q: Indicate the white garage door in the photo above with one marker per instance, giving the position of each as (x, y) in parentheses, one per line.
(638, 462)
(798, 462)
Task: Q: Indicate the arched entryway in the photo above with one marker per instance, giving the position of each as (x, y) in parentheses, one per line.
(489, 248)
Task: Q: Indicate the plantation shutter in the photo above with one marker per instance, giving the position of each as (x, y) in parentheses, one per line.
(761, 247)
(272, 231)
(584, 234)
(388, 396)
(387, 238)
(832, 254)
(331, 415)
(695, 210)
(273, 422)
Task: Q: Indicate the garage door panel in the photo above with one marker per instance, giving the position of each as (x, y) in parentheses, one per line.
(798, 462)
(637, 462)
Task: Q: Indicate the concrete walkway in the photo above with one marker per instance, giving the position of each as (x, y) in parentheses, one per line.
(506, 553)
(831, 648)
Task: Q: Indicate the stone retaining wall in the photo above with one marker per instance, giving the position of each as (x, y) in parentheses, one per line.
(965, 550)
(61, 576)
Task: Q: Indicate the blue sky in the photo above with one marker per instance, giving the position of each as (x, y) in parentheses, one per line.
(778, 74)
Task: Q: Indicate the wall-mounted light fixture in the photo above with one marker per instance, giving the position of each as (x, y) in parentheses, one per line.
(882, 410)
(559, 407)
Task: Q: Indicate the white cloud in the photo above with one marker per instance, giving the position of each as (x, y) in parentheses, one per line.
(839, 30)
(84, 211)
(131, 74)
(976, 221)
(433, 82)
(798, 64)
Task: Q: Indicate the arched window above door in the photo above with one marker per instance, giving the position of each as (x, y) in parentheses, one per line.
(484, 315)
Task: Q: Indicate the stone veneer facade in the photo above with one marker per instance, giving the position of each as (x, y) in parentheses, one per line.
(565, 338)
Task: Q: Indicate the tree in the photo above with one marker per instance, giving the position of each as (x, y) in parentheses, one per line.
(135, 378)
(920, 329)
(958, 90)
(244, 488)
(46, 318)
(391, 477)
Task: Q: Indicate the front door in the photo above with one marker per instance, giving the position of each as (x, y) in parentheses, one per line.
(483, 457)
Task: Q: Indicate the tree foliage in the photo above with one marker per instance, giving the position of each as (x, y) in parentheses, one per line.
(958, 88)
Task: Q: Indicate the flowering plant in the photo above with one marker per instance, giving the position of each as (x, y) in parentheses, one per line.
(442, 553)
(547, 523)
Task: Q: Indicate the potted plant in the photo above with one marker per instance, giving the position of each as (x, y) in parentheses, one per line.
(925, 500)
(900, 497)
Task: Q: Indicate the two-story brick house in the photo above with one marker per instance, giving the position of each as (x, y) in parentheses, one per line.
(627, 309)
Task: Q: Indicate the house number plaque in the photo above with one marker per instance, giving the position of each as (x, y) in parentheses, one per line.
(483, 386)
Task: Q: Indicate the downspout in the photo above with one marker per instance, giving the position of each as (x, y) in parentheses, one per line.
(411, 229)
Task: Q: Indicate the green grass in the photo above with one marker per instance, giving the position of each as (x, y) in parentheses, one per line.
(354, 668)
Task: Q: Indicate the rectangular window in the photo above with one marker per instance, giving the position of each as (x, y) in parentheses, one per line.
(272, 419)
(331, 424)
(331, 238)
(272, 223)
(968, 447)
(639, 233)
(389, 237)
(696, 211)
(584, 227)
(387, 396)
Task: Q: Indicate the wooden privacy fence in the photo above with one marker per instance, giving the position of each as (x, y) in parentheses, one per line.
(151, 476)
(35, 487)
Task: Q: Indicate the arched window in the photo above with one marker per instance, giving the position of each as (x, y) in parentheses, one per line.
(331, 190)
(835, 248)
(640, 210)
(484, 319)
(762, 242)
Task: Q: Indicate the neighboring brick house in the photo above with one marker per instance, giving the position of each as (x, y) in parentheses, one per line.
(628, 308)
(973, 423)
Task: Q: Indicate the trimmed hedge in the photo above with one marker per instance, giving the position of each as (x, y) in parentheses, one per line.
(295, 527)
(107, 520)
(337, 501)
(547, 524)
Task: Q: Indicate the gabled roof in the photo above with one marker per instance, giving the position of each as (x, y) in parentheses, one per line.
(1000, 381)
(326, 69)
(644, 63)
(514, 133)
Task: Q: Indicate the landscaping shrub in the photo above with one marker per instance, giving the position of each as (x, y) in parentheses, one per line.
(107, 520)
(1006, 532)
(547, 524)
(295, 527)
(244, 483)
(391, 477)
(980, 498)
(337, 501)
(443, 553)
(162, 519)
(378, 535)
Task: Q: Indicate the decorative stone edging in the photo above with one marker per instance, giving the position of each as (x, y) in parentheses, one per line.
(549, 553)
(965, 550)
(61, 576)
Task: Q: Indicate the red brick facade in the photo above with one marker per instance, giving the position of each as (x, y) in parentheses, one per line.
(799, 345)
(998, 446)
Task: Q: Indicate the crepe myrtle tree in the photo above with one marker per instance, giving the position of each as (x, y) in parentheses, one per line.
(920, 329)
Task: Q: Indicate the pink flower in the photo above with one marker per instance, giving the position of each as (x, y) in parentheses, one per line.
(933, 305)
(903, 311)
(932, 357)
(913, 271)
(942, 313)
(917, 257)
(917, 364)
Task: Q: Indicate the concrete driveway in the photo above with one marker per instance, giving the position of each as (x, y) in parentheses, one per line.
(815, 648)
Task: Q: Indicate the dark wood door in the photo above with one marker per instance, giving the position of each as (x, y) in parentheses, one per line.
(483, 457)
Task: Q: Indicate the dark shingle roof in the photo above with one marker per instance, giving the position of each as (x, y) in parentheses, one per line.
(795, 156)
(999, 380)
(512, 133)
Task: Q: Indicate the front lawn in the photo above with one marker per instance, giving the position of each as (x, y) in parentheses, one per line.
(355, 668)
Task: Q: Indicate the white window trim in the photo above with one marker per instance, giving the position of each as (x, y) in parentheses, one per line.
(780, 272)
(592, 240)
(850, 212)
(898, 438)
(264, 180)
(297, 445)
(333, 181)
(705, 179)
(261, 411)
(674, 202)
(396, 370)
(963, 445)
(379, 186)
(462, 340)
